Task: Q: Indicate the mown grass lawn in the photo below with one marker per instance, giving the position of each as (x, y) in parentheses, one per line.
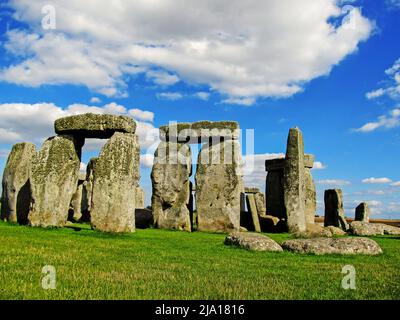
(159, 264)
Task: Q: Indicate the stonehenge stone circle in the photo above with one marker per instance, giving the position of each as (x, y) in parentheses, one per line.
(172, 168)
(218, 187)
(54, 178)
(362, 212)
(293, 182)
(90, 125)
(334, 212)
(114, 184)
(16, 194)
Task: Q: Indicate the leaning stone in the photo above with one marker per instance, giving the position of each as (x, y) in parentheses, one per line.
(334, 212)
(16, 193)
(322, 246)
(219, 184)
(362, 212)
(54, 178)
(293, 182)
(310, 197)
(171, 186)
(251, 205)
(139, 198)
(114, 185)
(252, 241)
(90, 125)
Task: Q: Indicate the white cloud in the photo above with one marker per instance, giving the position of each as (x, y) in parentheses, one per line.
(35, 122)
(83, 167)
(95, 100)
(162, 78)
(173, 96)
(241, 49)
(392, 89)
(392, 120)
(375, 94)
(146, 160)
(4, 153)
(396, 184)
(376, 180)
(202, 95)
(141, 115)
(333, 182)
(240, 101)
(319, 165)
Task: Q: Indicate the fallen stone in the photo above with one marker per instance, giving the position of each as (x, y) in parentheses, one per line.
(218, 187)
(16, 194)
(171, 186)
(322, 246)
(252, 241)
(90, 125)
(54, 178)
(114, 185)
(334, 212)
(293, 182)
(362, 212)
(361, 228)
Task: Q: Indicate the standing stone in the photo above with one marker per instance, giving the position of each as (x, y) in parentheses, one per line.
(362, 212)
(114, 185)
(16, 193)
(274, 194)
(251, 205)
(310, 197)
(294, 185)
(139, 198)
(219, 184)
(54, 179)
(260, 203)
(75, 211)
(88, 190)
(171, 186)
(334, 212)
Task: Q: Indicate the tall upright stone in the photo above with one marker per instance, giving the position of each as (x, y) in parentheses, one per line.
(171, 186)
(114, 185)
(293, 182)
(362, 212)
(218, 186)
(274, 194)
(88, 190)
(54, 178)
(75, 210)
(139, 198)
(310, 195)
(16, 193)
(334, 212)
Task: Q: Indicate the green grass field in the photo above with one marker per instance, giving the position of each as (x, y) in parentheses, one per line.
(159, 264)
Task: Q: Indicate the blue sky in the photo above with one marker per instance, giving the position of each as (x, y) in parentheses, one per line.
(329, 67)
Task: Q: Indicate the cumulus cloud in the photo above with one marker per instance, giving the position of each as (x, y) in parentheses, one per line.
(389, 121)
(392, 89)
(35, 122)
(241, 49)
(173, 96)
(333, 182)
(319, 165)
(396, 184)
(376, 180)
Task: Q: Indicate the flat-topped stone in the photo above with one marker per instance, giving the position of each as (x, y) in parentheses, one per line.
(193, 132)
(90, 125)
(279, 163)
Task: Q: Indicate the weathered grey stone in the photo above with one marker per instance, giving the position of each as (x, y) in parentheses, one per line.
(362, 212)
(219, 184)
(362, 228)
(90, 125)
(260, 203)
(275, 201)
(310, 197)
(54, 178)
(16, 195)
(293, 182)
(252, 241)
(251, 190)
(139, 198)
(171, 186)
(252, 207)
(88, 190)
(199, 131)
(114, 185)
(322, 246)
(334, 212)
(316, 231)
(75, 210)
(309, 161)
(275, 164)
